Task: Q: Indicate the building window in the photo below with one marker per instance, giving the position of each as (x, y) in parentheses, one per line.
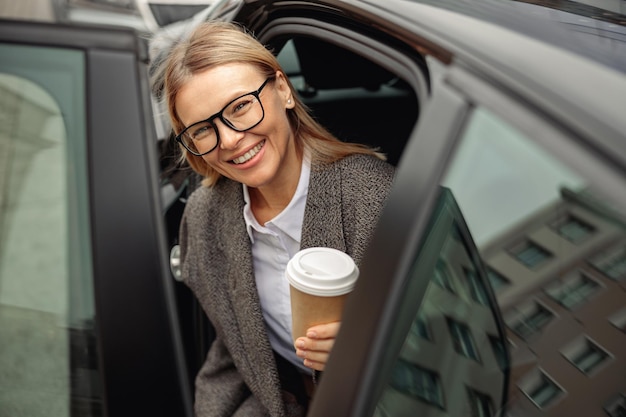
(612, 263)
(619, 319)
(585, 355)
(530, 319)
(442, 276)
(573, 291)
(530, 254)
(573, 229)
(481, 404)
(417, 382)
(477, 288)
(496, 280)
(420, 327)
(462, 338)
(545, 392)
(541, 389)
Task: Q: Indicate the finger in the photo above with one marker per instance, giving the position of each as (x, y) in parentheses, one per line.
(317, 352)
(320, 357)
(324, 331)
(320, 345)
(302, 343)
(318, 366)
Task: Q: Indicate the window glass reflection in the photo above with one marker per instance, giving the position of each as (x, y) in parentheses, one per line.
(553, 237)
(453, 361)
(48, 361)
(551, 248)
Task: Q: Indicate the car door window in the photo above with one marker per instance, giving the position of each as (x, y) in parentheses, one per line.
(551, 230)
(453, 360)
(525, 320)
(47, 329)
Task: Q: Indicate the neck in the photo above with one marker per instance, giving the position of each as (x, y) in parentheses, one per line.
(266, 202)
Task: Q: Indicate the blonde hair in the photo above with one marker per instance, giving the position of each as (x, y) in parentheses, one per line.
(217, 43)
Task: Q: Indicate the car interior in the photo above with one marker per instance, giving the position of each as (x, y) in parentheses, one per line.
(354, 98)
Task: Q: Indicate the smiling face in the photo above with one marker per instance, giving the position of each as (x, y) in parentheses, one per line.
(264, 157)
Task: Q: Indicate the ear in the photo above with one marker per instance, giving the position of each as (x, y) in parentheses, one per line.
(282, 86)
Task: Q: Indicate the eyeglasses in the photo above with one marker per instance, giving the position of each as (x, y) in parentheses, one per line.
(241, 114)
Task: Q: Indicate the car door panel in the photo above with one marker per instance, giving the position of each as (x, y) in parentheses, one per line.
(109, 295)
(525, 186)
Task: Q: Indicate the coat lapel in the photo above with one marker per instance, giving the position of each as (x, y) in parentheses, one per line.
(253, 354)
(323, 225)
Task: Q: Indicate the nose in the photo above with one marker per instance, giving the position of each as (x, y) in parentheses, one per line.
(229, 138)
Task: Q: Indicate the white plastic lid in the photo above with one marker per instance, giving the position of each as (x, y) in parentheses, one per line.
(324, 272)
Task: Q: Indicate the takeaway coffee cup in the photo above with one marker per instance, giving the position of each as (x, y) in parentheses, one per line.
(320, 280)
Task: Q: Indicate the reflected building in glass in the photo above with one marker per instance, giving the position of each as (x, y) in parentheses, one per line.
(556, 348)
(560, 280)
(453, 361)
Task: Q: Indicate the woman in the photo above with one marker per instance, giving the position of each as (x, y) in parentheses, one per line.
(275, 182)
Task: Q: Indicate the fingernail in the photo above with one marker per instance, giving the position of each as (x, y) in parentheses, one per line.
(300, 343)
(311, 334)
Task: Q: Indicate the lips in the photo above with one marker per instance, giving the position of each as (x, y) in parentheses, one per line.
(248, 155)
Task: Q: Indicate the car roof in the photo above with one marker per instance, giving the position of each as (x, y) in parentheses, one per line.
(584, 91)
(595, 33)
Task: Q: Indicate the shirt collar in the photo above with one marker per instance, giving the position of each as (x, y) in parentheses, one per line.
(289, 221)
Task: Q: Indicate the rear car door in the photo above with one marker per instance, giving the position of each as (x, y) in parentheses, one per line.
(495, 280)
(494, 284)
(88, 322)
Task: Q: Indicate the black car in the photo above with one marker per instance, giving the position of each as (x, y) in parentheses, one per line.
(495, 283)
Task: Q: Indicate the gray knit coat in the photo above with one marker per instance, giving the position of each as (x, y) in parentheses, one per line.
(239, 376)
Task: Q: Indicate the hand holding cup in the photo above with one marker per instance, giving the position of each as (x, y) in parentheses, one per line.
(320, 280)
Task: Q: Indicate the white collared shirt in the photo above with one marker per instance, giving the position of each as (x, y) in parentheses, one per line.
(272, 246)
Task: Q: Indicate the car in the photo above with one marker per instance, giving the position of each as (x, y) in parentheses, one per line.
(493, 285)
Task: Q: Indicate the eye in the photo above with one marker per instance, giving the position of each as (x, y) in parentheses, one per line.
(242, 105)
(201, 131)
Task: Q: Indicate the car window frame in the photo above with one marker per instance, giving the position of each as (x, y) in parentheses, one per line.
(374, 50)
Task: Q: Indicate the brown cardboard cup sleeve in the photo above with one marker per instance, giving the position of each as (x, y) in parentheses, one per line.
(320, 280)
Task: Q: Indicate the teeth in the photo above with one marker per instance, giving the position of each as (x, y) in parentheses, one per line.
(248, 155)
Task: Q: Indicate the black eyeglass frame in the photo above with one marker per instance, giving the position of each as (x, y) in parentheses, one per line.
(220, 115)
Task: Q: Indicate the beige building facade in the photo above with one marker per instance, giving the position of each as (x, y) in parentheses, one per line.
(560, 278)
